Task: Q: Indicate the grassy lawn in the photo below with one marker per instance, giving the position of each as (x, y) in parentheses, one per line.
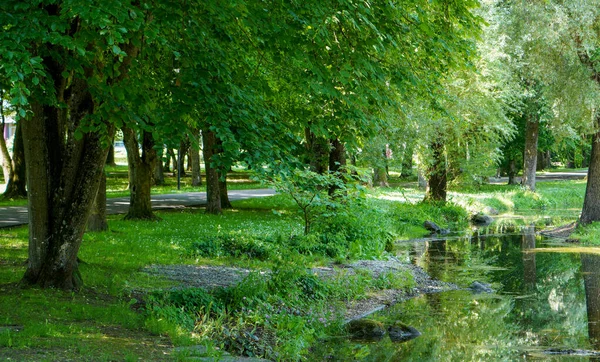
(124, 313)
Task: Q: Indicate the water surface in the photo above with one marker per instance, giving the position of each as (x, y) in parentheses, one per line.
(543, 300)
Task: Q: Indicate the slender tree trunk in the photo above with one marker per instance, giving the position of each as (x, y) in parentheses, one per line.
(97, 220)
(159, 175)
(183, 151)
(318, 152)
(195, 160)
(141, 169)
(337, 162)
(16, 187)
(110, 159)
(437, 182)
(530, 153)
(213, 195)
(4, 154)
(225, 203)
(512, 172)
(591, 202)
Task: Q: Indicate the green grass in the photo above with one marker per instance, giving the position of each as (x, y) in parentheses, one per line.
(108, 317)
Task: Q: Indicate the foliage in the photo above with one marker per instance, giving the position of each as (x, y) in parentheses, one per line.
(312, 192)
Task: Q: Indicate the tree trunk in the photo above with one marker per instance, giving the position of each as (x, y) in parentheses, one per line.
(63, 174)
(437, 181)
(213, 195)
(97, 220)
(530, 153)
(318, 152)
(195, 159)
(159, 174)
(4, 154)
(591, 202)
(110, 159)
(16, 187)
(512, 172)
(141, 169)
(337, 162)
(183, 150)
(225, 203)
(380, 177)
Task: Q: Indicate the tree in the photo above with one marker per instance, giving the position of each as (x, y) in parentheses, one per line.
(66, 69)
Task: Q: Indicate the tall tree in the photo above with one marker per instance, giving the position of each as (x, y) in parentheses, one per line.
(66, 69)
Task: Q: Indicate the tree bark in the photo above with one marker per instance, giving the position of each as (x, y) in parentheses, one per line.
(141, 169)
(213, 194)
(530, 153)
(437, 181)
(63, 174)
(97, 220)
(110, 159)
(225, 203)
(183, 151)
(195, 160)
(16, 187)
(512, 172)
(159, 174)
(380, 177)
(591, 202)
(337, 162)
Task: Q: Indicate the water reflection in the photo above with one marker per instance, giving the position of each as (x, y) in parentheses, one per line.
(543, 300)
(590, 266)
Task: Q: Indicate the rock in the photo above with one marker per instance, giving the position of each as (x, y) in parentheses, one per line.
(365, 328)
(481, 219)
(431, 226)
(490, 210)
(479, 287)
(400, 332)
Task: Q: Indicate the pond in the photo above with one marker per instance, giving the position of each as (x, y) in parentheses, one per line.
(546, 297)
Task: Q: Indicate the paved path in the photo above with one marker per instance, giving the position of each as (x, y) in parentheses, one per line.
(17, 215)
(546, 176)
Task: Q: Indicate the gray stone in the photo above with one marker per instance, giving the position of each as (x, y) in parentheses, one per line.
(431, 226)
(479, 287)
(366, 328)
(400, 332)
(481, 219)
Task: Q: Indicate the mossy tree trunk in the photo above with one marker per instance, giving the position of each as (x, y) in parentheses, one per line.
(530, 153)
(437, 181)
(63, 174)
(97, 220)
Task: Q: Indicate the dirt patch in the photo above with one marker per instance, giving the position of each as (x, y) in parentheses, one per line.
(210, 277)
